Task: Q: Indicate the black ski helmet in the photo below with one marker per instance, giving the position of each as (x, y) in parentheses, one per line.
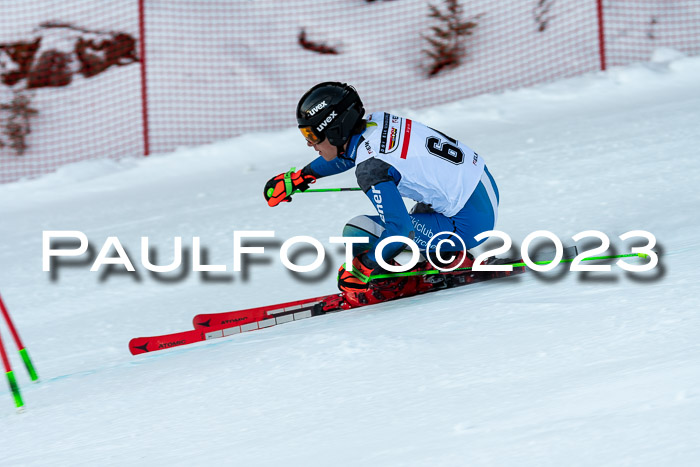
(329, 110)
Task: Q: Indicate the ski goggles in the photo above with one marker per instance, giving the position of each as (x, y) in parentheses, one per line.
(310, 135)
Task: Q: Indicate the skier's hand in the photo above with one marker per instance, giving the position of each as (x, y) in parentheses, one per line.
(280, 188)
(358, 279)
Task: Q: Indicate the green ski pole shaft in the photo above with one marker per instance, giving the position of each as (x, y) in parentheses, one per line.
(325, 190)
(515, 265)
(15, 335)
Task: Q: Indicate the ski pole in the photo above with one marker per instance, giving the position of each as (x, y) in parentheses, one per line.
(11, 378)
(323, 190)
(22, 350)
(515, 265)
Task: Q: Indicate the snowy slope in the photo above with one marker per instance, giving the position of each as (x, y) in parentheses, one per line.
(555, 369)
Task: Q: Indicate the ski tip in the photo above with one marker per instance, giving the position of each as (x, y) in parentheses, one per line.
(199, 322)
(138, 346)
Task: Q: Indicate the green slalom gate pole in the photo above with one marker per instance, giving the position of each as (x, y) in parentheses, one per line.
(515, 265)
(14, 388)
(325, 190)
(22, 350)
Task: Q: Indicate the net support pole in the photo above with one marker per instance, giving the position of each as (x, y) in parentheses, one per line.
(601, 35)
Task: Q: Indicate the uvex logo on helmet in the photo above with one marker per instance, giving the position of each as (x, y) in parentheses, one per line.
(325, 123)
(316, 108)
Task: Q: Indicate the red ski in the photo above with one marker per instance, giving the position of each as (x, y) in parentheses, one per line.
(217, 325)
(139, 345)
(262, 313)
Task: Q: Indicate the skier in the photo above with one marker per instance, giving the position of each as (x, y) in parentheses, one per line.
(394, 157)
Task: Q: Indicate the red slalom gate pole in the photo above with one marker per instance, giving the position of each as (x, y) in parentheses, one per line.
(11, 377)
(22, 350)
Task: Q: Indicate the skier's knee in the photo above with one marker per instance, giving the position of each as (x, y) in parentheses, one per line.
(363, 226)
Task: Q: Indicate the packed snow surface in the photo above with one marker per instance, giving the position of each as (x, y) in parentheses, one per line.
(559, 368)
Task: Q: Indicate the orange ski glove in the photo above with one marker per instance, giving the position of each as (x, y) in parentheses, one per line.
(279, 189)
